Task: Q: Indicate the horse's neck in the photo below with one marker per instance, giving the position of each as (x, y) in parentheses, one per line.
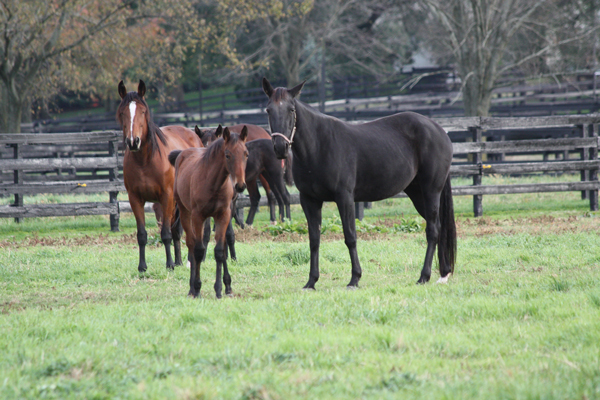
(312, 132)
(217, 173)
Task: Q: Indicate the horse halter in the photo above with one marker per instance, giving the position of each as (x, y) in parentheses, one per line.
(291, 139)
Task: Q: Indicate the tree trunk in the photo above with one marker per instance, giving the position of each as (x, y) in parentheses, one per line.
(477, 97)
(10, 110)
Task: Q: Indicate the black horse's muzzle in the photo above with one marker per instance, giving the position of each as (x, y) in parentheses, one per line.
(281, 146)
(133, 146)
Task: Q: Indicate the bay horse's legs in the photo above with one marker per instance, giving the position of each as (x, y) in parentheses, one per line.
(230, 239)
(345, 203)
(428, 205)
(176, 231)
(312, 211)
(254, 194)
(137, 207)
(221, 224)
(168, 205)
(190, 240)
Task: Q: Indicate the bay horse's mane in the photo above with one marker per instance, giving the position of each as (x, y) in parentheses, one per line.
(153, 130)
(215, 147)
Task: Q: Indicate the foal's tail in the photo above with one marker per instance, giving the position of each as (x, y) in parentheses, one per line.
(173, 156)
(447, 239)
(287, 171)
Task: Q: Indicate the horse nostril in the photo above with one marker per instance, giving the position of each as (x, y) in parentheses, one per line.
(137, 141)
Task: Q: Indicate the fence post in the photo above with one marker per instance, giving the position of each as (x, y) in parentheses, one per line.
(594, 172)
(584, 157)
(18, 178)
(359, 210)
(113, 175)
(477, 199)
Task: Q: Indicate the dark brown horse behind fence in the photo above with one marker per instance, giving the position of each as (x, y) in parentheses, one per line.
(203, 189)
(147, 173)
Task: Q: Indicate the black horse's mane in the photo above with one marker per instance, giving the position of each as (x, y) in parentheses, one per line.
(215, 147)
(153, 130)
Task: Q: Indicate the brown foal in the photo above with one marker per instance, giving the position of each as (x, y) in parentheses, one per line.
(203, 189)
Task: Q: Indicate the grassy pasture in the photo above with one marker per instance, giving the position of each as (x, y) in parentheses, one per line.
(520, 318)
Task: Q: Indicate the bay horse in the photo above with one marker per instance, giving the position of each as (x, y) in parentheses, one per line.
(147, 173)
(203, 189)
(258, 162)
(345, 163)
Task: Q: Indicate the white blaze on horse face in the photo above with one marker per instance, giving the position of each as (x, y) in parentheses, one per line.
(132, 107)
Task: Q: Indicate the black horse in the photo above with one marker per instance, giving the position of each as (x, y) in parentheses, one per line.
(344, 163)
(262, 164)
(262, 161)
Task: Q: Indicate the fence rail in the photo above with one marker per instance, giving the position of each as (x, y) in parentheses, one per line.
(36, 171)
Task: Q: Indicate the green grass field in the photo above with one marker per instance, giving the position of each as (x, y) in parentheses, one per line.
(520, 319)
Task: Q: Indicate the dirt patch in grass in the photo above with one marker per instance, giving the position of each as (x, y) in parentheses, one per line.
(465, 227)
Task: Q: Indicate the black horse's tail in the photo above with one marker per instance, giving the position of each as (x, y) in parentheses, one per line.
(447, 239)
(287, 171)
(173, 156)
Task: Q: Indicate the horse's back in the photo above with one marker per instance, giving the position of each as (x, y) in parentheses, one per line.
(180, 138)
(254, 131)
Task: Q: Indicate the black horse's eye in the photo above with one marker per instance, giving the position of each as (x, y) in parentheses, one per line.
(292, 110)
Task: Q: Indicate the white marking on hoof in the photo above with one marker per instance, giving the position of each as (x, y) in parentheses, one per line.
(444, 280)
(351, 287)
(188, 265)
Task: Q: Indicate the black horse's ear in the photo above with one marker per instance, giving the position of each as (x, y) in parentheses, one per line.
(226, 134)
(141, 88)
(219, 131)
(244, 134)
(122, 89)
(295, 91)
(267, 88)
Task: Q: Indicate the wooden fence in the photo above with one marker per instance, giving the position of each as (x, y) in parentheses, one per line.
(91, 163)
(83, 157)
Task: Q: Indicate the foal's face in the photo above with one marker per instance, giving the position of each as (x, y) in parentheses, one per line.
(236, 157)
(132, 115)
(281, 110)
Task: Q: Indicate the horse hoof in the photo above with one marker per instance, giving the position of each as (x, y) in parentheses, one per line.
(444, 280)
(352, 287)
(422, 281)
(171, 267)
(233, 258)
(188, 265)
(142, 269)
(193, 295)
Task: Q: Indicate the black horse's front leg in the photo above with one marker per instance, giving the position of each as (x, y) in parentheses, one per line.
(312, 211)
(345, 203)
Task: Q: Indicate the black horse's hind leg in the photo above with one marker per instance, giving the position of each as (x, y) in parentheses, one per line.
(254, 199)
(206, 236)
(199, 254)
(230, 239)
(271, 199)
(312, 211)
(177, 231)
(428, 205)
(345, 205)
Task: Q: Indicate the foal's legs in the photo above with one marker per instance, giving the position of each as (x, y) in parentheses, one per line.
(221, 224)
(137, 206)
(176, 231)
(345, 203)
(230, 239)
(206, 236)
(312, 211)
(199, 250)
(428, 205)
